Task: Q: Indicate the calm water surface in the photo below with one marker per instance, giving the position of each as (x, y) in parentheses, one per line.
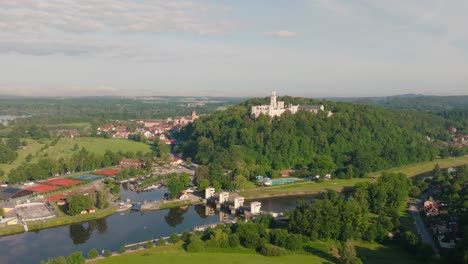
(116, 230)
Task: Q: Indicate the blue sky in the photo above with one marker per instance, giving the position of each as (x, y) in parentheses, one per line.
(313, 48)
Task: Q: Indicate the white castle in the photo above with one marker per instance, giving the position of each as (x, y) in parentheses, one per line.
(276, 108)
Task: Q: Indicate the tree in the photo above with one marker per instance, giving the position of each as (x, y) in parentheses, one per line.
(175, 185)
(348, 254)
(79, 202)
(93, 253)
(75, 258)
(203, 184)
(101, 199)
(161, 149)
(239, 182)
(174, 238)
(217, 185)
(185, 179)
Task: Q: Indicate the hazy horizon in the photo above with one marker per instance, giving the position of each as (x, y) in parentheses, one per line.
(310, 48)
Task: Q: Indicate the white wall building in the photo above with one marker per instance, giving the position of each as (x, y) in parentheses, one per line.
(277, 108)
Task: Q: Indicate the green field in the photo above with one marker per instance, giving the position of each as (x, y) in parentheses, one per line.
(307, 187)
(70, 125)
(65, 145)
(418, 168)
(315, 252)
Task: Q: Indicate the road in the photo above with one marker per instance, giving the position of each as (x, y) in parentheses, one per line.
(415, 206)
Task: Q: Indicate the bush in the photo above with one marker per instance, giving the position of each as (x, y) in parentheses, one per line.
(93, 253)
(174, 238)
(149, 244)
(161, 242)
(234, 240)
(195, 244)
(271, 250)
(75, 258)
(107, 253)
(121, 250)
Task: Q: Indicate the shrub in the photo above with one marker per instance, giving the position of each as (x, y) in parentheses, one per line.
(149, 244)
(93, 253)
(107, 253)
(161, 242)
(195, 244)
(174, 238)
(121, 250)
(271, 250)
(75, 258)
(234, 240)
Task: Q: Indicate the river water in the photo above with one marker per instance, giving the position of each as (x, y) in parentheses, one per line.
(116, 230)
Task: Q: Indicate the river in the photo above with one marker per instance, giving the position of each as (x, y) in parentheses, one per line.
(114, 231)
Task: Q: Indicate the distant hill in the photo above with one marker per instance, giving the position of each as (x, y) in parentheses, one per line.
(413, 102)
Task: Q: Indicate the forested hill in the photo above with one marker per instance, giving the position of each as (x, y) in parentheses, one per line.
(357, 139)
(418, 102)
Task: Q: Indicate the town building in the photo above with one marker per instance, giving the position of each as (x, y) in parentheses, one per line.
(127, 163)
(277, 108)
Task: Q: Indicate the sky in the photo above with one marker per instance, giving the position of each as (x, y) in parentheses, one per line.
(312, 48)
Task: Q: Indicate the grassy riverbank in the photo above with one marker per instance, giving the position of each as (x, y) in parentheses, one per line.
(418, 168)
(317, 252)
(307, 187)
(58, 221)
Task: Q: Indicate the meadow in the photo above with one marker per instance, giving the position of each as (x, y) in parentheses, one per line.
(64, 148)
(418, 168)
(307, 187)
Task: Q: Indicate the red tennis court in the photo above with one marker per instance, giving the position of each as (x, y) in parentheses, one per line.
(61, 182)
(42, 188)
(108, 172)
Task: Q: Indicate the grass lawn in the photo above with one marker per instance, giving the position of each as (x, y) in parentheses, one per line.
(97, 145)
(314, 252)
(65, 145)
(418, 168)
(307, 187)
(174, 254)
(32, 148)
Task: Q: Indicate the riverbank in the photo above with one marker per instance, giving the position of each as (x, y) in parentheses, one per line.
(422, 167)
(301, 188)
(55, 222)
(313, 253)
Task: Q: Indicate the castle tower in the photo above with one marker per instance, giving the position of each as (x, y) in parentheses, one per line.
(273, 100)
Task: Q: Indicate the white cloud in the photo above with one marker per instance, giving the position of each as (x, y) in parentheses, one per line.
(107, 15)
(75, 27)
(281, 34)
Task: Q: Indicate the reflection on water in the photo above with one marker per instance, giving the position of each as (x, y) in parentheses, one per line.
(175, 216)
(116, 230)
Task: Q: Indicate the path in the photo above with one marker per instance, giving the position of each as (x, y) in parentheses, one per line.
(414, 208)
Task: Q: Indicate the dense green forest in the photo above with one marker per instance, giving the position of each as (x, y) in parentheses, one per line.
(88, 109)
(414, 102)
(356, 140)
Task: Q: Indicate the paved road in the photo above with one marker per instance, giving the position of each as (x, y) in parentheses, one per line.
(415, 206)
